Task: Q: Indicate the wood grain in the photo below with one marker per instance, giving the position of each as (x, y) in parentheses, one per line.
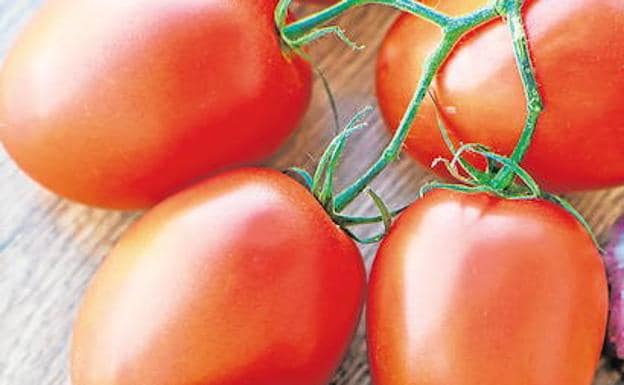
(50, 247)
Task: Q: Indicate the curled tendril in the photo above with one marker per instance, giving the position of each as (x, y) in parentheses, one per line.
(470, 170)
(452, 169)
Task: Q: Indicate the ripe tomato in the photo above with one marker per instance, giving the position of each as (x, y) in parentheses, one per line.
(475, 290)
(580, 69)
(120, 103)
(240, 280)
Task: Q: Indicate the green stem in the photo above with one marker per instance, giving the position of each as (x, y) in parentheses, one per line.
(307, 24)
(308, 29)
(534, 102)
(453, 32)
(347, 220)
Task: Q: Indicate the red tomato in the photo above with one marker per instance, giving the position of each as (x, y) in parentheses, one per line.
(241, 280)
(120, 103)
(474, 290)
(580, 69)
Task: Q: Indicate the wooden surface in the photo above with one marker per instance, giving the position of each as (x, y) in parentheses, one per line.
(50, 247)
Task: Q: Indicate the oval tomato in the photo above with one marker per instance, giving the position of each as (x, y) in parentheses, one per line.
(580, 69)
(120, 103)
(474, 289)
(243, 279)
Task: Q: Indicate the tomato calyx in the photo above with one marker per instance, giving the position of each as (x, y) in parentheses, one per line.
(519, 184)
(472, 180)
(321, 184)
(527, 190)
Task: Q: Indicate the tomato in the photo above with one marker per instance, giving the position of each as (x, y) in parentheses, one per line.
(243, 279)
(580, 70)
(475, 290)
(120, 103)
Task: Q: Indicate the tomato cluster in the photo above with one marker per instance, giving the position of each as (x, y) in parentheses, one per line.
(249, 278)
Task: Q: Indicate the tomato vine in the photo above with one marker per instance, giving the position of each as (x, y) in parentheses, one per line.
(499, 179)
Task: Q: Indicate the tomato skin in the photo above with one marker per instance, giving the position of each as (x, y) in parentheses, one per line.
(580, 69)
(476, 290)
(243, 279)
(120, 103)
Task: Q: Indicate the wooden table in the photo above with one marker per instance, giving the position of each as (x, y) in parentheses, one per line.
(50, 247)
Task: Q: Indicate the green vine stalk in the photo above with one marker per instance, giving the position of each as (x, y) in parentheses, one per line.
(502, 182)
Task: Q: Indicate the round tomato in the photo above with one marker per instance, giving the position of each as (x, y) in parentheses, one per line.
(580, 70)
(241, 280)
(474, 289)
(120, 103)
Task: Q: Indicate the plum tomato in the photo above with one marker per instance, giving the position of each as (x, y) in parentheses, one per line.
(242, 279)
(121, 103)
(479, 290)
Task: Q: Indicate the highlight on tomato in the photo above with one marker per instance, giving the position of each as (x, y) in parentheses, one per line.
(471, 289)
(120, 103)
(578, 61)
(242, 279)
